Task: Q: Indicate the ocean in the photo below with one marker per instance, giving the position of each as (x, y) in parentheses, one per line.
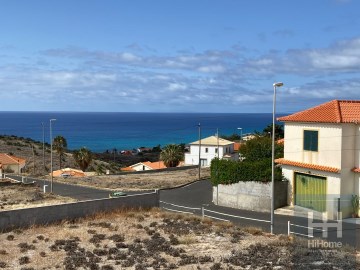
(124, 130)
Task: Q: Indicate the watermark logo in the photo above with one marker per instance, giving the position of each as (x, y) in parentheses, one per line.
(324, 227)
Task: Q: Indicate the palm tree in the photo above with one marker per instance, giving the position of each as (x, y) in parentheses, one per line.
(60, 145)
(172, 154)
(83, 157)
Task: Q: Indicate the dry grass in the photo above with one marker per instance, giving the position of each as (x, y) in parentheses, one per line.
(24, 196)
(146, 181)
(153, 239)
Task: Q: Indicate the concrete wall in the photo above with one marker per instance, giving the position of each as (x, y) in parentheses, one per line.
(251, 195)
(48, 214)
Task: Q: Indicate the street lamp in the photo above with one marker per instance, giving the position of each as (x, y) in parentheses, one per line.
(51, 156)
(277, 84)
(240, 133)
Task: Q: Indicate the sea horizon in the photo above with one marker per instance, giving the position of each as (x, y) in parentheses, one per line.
(101, 131)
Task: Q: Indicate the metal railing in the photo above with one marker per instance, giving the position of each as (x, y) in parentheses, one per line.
(204, 210)
(304, 227)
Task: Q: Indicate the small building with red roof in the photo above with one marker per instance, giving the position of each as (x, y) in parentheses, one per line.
(11, 163)
(145, 166)
(322, 156)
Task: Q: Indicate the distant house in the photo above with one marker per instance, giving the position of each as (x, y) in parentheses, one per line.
(126, 152)
(145, 166)
(143, 149)
(12, 163)
(211, 147)
(68, 172)
(322, 156)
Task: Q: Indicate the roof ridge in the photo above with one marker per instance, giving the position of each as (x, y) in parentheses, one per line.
(338, 110)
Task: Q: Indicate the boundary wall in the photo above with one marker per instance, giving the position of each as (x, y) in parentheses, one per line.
(49, 214)
(255, 196)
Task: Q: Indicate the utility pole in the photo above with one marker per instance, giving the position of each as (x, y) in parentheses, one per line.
(33, 151)
(43, 144)
(199, 150)
(51, 157)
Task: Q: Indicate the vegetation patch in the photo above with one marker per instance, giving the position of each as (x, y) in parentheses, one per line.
(132, 247)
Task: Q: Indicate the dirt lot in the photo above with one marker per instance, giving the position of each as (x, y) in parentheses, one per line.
(143, 181)
(159, 240)
(17, 196)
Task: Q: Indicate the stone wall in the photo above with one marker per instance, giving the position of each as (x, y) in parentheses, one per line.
(251, 195)
(49, 214)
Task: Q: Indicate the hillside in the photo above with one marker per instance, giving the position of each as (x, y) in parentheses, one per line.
(32, 151)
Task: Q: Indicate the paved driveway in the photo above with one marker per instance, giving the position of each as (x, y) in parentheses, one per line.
(199, 194)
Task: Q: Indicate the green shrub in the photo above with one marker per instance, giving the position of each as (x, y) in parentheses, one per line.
(229, 172)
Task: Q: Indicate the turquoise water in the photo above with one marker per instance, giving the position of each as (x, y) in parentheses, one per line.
(102, 131)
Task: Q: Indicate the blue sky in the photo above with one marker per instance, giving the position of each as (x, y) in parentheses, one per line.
(178, 55)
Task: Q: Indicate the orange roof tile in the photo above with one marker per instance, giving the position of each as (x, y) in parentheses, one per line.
(356, 170)
(307, 165)
(335, 111)
(156, 165)
(68, 171)
(237, 146)
(280, 141)
(127, 169)
(6, 159)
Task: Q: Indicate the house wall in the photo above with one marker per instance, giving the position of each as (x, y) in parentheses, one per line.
(329, 144)
(192, 158)
(14, 167)
(140, 167)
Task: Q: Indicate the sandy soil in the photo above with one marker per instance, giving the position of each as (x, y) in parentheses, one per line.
(159, 240)
(18, 196)
(145, 181)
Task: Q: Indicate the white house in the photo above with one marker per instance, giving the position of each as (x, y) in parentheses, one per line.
(322, 156)
(211, 147)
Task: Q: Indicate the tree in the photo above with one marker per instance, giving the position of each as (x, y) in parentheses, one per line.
(233, 137)
(279, 131)
(172, 154)
(260, 148)
(83, 158)
(60, 145)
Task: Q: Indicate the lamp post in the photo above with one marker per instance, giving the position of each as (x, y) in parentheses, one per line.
(275, 85)
(199, 151)
(51, 157)
(43, 143)
(240, 133)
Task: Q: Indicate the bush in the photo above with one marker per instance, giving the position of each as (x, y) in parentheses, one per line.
(231, 172)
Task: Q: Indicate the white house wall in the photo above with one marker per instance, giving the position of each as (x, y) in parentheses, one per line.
(329, 144)
(192, 158)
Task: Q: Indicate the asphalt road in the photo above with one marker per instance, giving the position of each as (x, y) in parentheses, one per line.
(80, 193)
(199, 194)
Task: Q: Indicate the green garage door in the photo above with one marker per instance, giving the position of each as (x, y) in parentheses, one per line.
(310, 191)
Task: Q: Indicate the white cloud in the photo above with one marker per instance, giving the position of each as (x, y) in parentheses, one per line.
(176, 86)
(212, 69)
